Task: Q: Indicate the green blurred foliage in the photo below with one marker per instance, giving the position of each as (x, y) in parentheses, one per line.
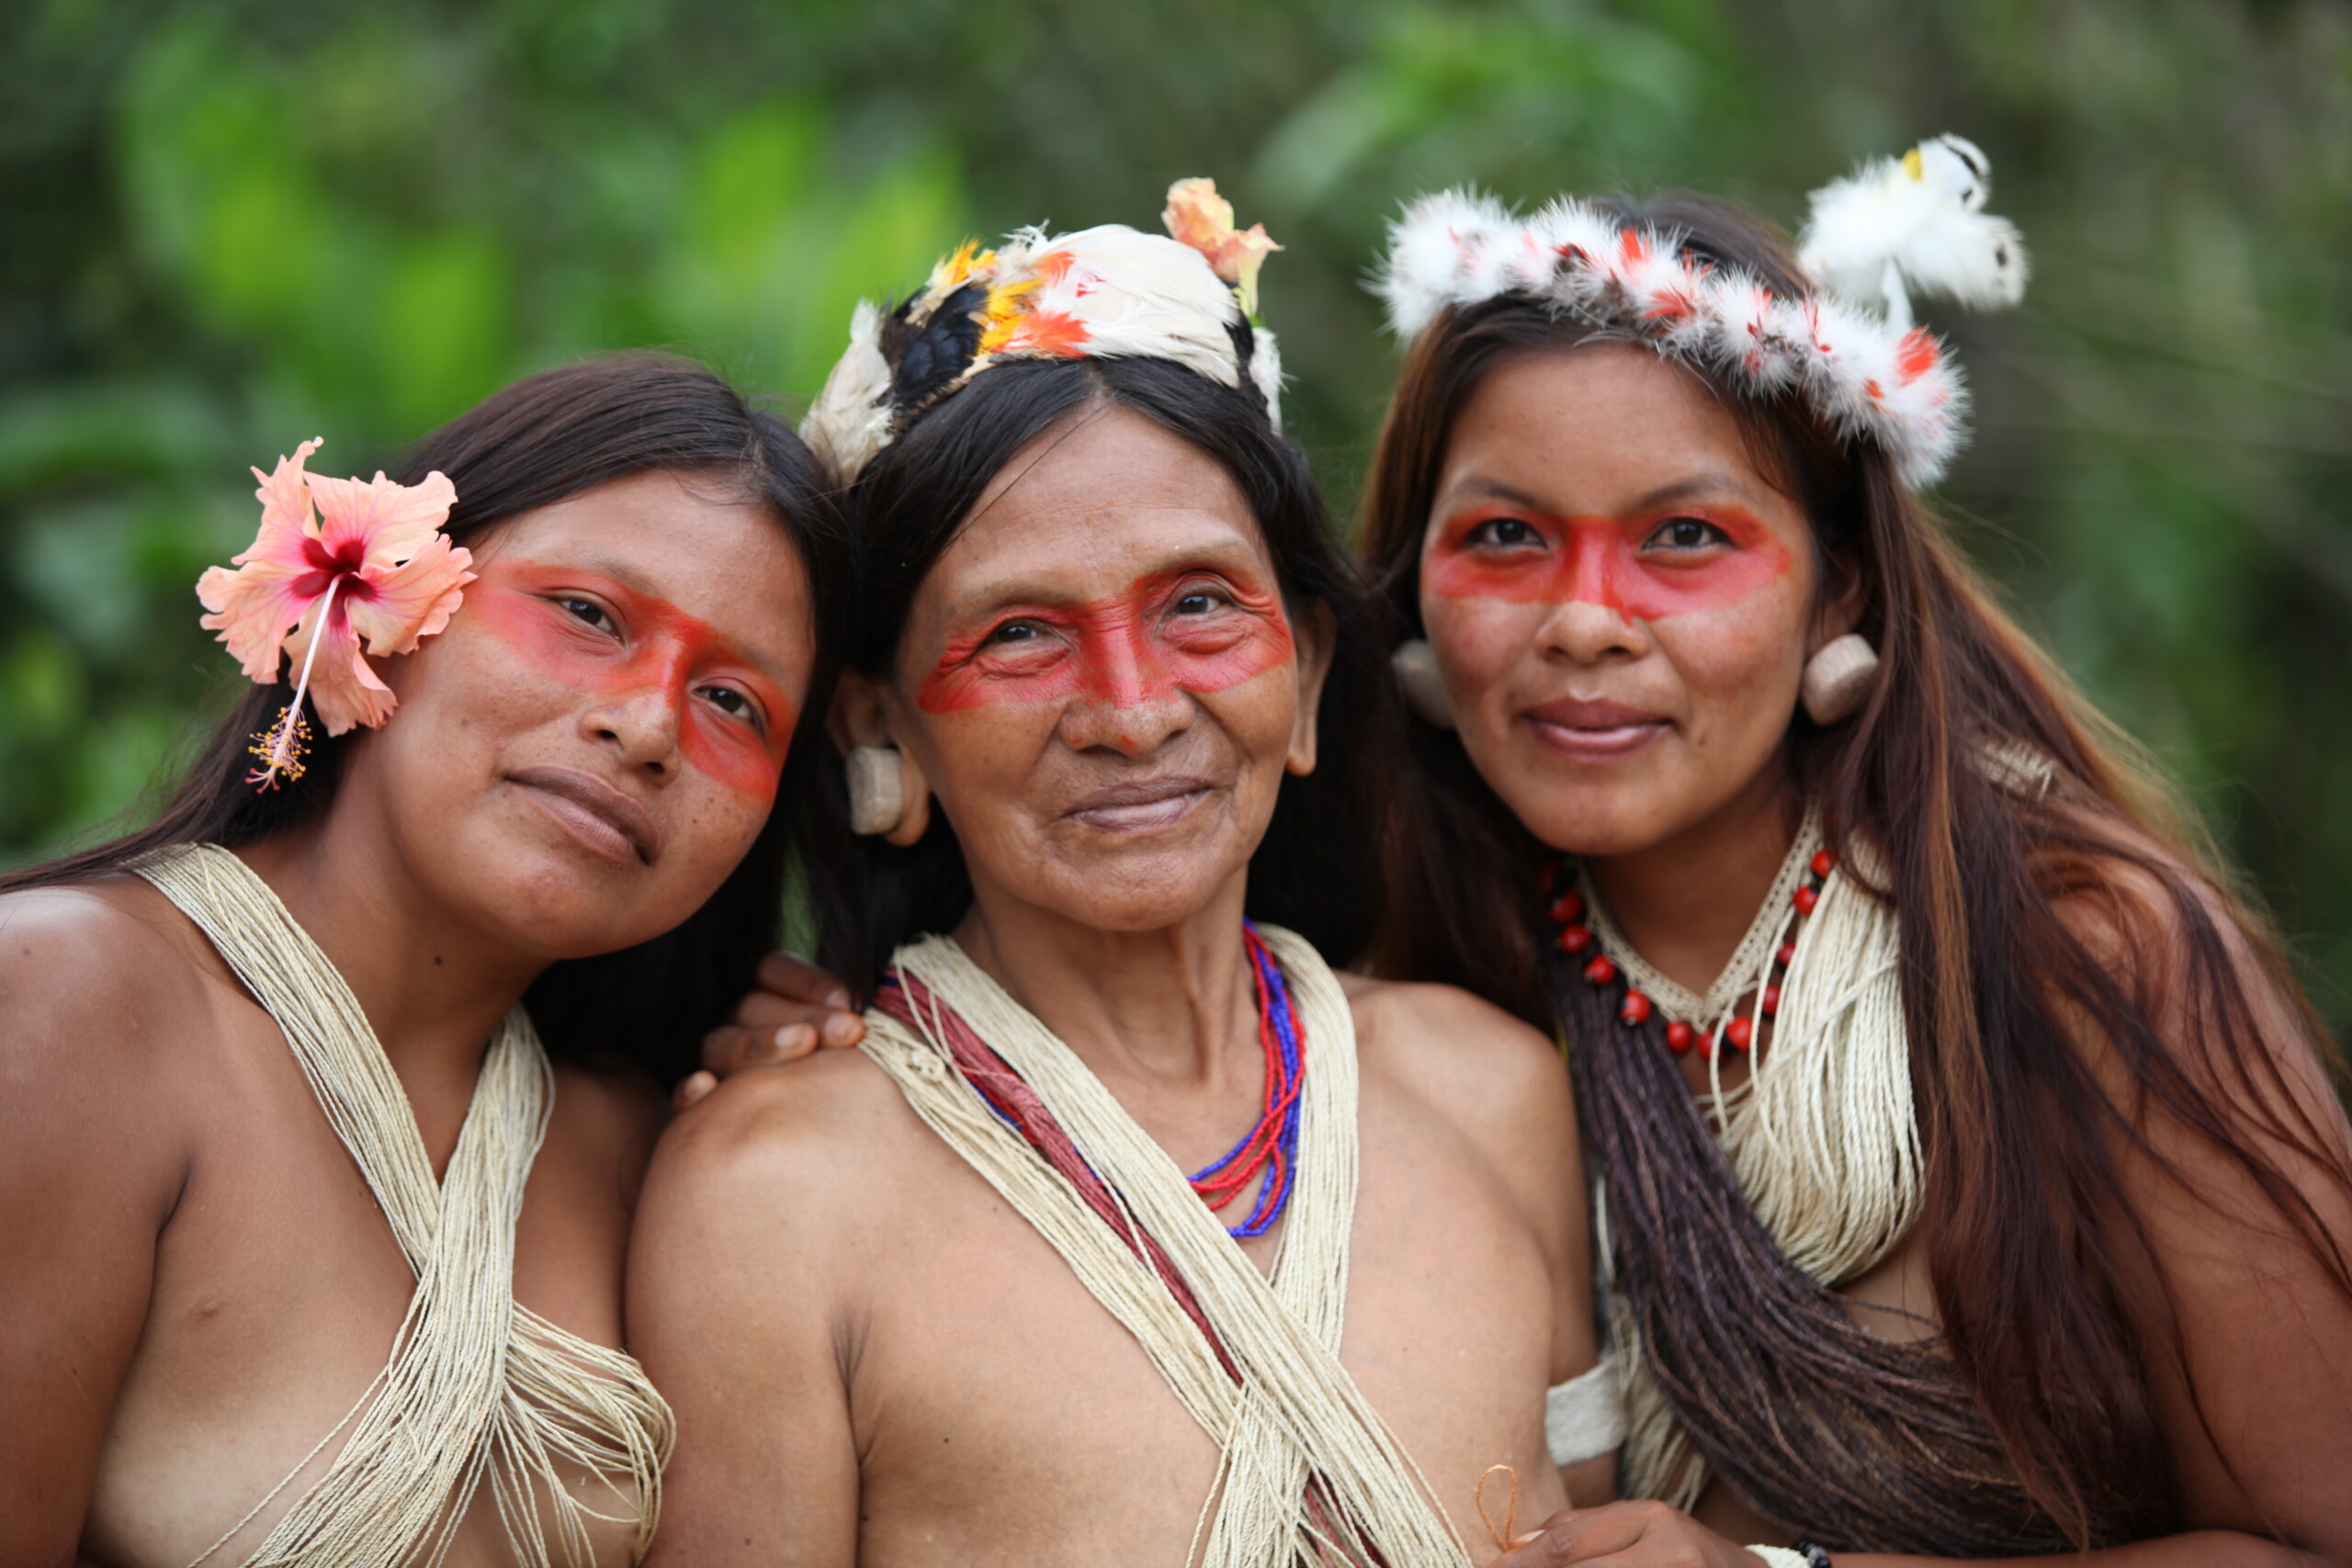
(232, 226)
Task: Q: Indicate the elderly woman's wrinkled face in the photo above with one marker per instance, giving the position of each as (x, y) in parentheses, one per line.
(1100, 683)
(1619, 602)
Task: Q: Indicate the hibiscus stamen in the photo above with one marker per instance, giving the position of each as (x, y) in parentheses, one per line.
(282, 745)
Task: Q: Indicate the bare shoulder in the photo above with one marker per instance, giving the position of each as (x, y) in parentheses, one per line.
(100, 978)
(801, 1142)
(1464, 1057)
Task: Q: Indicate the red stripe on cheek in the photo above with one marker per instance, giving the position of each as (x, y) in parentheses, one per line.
(670, 653)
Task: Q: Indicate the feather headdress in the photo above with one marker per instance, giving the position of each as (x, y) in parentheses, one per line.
(1106, 292)
(1848, 347)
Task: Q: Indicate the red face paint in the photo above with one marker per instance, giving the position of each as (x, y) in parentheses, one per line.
(1135, 647)
(659, 649)
(1615, 562)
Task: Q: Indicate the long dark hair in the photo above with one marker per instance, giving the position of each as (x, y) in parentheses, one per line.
(2030, 1240)
(548, 436)
(1317, 869)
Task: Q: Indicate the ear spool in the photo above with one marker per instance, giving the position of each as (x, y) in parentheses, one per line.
(1415, 663)
(877, 798)
(1838, 680)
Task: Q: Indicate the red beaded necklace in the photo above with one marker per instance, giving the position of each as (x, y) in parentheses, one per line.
(1578, 939)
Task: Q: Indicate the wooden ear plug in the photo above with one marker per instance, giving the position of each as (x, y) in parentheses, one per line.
(877, 795)
(1838, 678)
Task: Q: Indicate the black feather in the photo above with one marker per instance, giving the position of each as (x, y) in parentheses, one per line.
(924, 358)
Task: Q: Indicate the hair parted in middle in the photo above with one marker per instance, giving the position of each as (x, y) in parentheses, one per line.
(931, 459)
(1999, 987)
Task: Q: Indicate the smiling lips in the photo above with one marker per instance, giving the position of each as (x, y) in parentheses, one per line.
(1594, 731)
(597, 816)
(1141, 806)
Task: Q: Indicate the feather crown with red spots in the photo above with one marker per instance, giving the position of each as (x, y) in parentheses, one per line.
(1897, 226)
(1105, 292)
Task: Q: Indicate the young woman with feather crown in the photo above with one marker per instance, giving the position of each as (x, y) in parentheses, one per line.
(1968, 1173)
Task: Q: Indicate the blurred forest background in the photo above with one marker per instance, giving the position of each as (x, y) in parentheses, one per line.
(235, 225)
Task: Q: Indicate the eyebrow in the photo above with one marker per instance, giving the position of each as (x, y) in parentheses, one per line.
(636, 582)
(1711, 483)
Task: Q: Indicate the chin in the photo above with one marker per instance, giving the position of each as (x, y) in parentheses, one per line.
(1592, 817)
(552, 905)
(1141, 893)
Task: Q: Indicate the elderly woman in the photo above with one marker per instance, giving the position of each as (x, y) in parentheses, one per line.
(953, 1298)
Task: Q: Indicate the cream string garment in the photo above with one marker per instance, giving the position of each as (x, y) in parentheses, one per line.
(477, 1385)
(1822, 1136)
(1290, 1422)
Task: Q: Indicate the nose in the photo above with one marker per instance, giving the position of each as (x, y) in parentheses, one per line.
(1586, 633)
(1127, 702)
(1134, 725)
(641, 728)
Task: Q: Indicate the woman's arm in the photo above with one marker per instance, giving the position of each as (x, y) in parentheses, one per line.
(89, 1173)
(733, 1308)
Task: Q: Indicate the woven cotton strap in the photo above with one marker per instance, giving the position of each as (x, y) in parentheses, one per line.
(1307, 1466)
(476, 1386)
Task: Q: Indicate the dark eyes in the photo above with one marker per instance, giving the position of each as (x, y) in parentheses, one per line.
(727, 700)
(1202, 600)
(1504, 532)
(589, 611)
(1687, 534)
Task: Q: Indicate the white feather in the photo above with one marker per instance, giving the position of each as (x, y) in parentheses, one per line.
(1144, 296)
(1433, 249)
(1266, 373)
(1887, 226)
(850, 420)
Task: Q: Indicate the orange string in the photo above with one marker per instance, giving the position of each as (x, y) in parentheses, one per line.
(1511, 1518)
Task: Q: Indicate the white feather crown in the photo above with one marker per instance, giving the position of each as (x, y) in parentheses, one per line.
(1848, 347)
(1107, 292)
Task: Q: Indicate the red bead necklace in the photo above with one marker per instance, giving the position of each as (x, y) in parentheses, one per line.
(1635, 1008)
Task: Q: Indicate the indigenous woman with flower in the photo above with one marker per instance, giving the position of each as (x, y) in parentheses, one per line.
(1970, 1174)
(311, 1251)
(953, 1298)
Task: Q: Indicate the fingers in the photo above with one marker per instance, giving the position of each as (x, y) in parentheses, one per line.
(1587, 1536)
(691, 1087)
(732, 1047)
(796, 979)
(831, 1026)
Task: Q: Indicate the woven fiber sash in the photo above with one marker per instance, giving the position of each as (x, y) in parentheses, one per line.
(1727, 1229)
(477, 1386)
(1309, 1475)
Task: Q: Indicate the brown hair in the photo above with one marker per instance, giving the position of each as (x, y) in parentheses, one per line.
(2030, 1239)
(545, 437)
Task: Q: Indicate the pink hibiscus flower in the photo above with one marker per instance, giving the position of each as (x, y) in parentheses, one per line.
(338, 563)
